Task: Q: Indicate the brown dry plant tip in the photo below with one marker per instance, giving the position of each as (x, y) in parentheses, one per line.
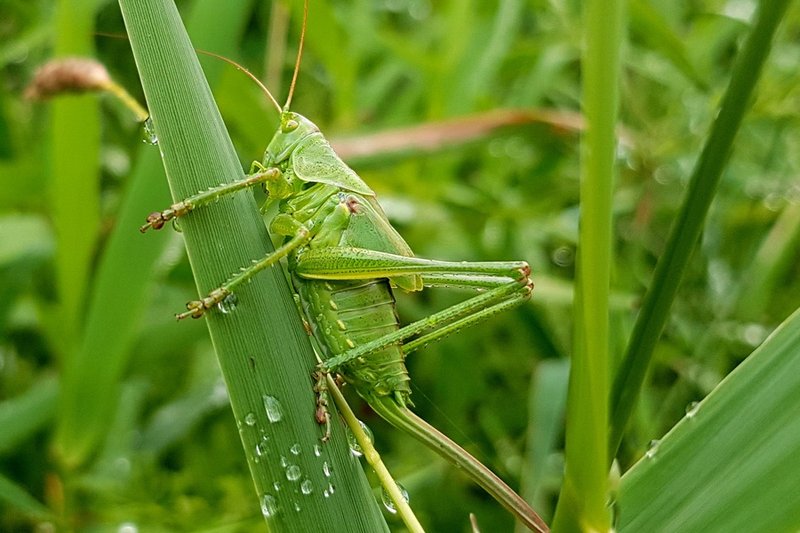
(434, 136)
(79, 75)
(68, 75)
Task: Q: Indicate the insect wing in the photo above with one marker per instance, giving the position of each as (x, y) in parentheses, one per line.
(315, 161)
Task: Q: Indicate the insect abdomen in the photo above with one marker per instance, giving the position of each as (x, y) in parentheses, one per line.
(346, 314)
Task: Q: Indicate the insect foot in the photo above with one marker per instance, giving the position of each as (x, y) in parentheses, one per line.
(157, 219)
(197, 308)
(525, 271)
(525, 280)
(321, 414)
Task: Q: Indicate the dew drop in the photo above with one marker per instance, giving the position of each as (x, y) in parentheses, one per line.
(297, 506)
(277, 486)
(295, 449)
(228, 304)
(326, 493)
(317, 450)
(262, 448)
(306, 487)
(284, 462)
(293, 472)
(128, 527)
(691, 409)
(269, 505)
(387, 500)
(652, 448)
(326, 469)
(176, 225)
(250, 419)
(150, 136)
(273, 408)
(355, 448)
(330, 489)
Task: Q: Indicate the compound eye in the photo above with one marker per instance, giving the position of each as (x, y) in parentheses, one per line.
(290, 125)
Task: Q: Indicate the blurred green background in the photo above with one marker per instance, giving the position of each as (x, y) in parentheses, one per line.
(84, 298)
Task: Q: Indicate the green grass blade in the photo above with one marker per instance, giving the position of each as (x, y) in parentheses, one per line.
(732, 463)
(650, 26)
(582, 504)
(27, 413)
(774, 260)
(263, 350)
(74, 190)
(18, 498)
(548, 398)
(93, 374)
(689, 223)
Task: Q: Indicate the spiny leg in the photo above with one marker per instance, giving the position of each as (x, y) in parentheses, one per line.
(197, 308)
(157, 219)
(322, 414)
(344, 263)
(507, 282)
(471, 311)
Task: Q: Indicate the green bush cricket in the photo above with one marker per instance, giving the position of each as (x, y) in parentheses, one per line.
(343, 258)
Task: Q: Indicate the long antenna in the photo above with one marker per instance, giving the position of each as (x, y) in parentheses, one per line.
(299, 55)
(248, 73)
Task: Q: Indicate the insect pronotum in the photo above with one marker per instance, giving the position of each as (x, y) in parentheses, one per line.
(343, 258)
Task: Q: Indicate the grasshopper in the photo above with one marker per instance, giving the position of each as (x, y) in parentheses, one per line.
(344, 258)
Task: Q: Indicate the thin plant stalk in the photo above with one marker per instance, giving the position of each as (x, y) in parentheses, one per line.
(374, 459)
(582, 502)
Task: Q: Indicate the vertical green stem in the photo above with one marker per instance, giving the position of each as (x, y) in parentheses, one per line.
(74, 174)
(92, 378)
(686, 230)
(582, 505)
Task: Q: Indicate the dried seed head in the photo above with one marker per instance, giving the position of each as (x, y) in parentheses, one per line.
(73, 74)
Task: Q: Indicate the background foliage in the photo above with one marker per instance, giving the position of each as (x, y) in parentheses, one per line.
(167, 456)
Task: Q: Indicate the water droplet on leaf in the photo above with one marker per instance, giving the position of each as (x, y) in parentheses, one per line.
(273, 408)
(355, 447)
(269, 505)
(128, 527)
(389, 503)
(228, 304)
(652, 448)
(262, 448)
(150, 136)
(250, 419)
(293, 472)
(306, 487)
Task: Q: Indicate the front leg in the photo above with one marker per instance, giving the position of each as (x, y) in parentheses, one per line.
(322, 414)
(157, 219)
(197, 308)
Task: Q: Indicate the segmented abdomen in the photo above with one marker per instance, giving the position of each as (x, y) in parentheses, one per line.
(346, 314)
